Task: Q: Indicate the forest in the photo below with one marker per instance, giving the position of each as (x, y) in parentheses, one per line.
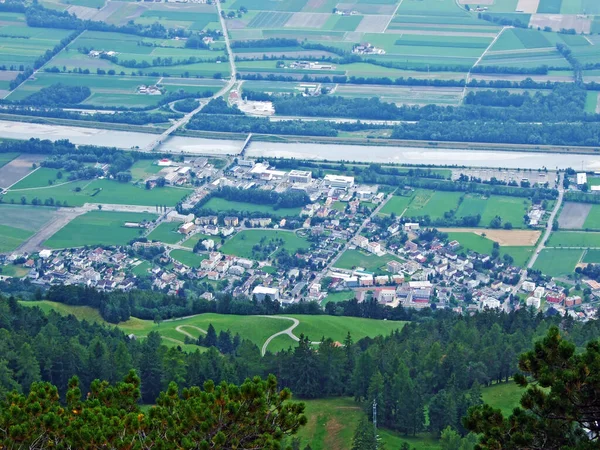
(438, 362)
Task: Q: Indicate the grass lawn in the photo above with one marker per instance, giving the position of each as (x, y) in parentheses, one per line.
(166, 232)
(574, 239)
(141, 269)
(474, 242)
(338, 297)
(220, 204)
(190, 259)
(557, 262)
(432, 203)
(16, 271)
(592, 221)
(81, 312)
(98, 228)
(337, 328)
(144, 168)
(101, 191)
(191, 242)
(359, 258)
(241, 244)
(397, 204)
(510, 209)
(504, 396)
(42, 177)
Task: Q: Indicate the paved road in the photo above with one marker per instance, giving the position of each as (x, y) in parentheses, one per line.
(287, 331)
(185, 119)
(349, 241)
(541, 245)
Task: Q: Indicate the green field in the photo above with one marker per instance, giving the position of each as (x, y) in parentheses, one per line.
(591, 257)
(504, 396)
(510, 209)
(241, 244)
(574, 239)
(144, 168)
(557, 262)
(41, 177)
(77, 193)
(220, 204)
(18, 223)
(98, 228)
(5, 158)
(191, 242)
(11, 237)
(432, 203)
(591, 102)
(338, 297)
(166, 232)
(474, 242)
(190, 259)
(397, 204)
(592, 221)
(351, 259)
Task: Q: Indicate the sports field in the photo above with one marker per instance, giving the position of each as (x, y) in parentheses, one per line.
(220, 204)
(98, 228)
(243, 242)
(166, 232)
(188, 258)
(557, 262)
(77, 193)
(352, 259)
(432, 203)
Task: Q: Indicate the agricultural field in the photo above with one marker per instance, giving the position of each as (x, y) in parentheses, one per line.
(115, 90)
(18, 223)
(5, 158)
(558, 262)
(77, 193)
(574, 239)
(592, 221)
(220, 204)
(351, 259)
(242, 243)
(396, 205)
(21, 45)
(485, 246)
(574, 216)
(167, 233)
(98, 228)
(591, 257)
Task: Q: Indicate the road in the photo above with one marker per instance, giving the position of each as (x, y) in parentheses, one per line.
(542, 244)
(287, 331)
(349, 241)
(185, 119)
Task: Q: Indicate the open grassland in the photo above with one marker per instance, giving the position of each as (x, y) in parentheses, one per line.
(396, 205)
(77, 193)
(592, 220)
(188, 258)
(510, 209)
(557, 262)
(98, 228)
(504, 396)
(476, 243)
(317, 327)
(352, 259)
(11, 237)
(432, 203)
(220, 204)
(243, 242)
(41, 177)
(166, 232)
(574, 239)
(144, 168)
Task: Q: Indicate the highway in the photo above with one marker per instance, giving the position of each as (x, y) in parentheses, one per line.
(185, 119)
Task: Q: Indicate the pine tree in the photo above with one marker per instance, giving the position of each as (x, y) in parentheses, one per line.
(210, 340)
(364, 436)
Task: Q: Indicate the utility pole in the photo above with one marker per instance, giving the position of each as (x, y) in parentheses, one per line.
(375, 422)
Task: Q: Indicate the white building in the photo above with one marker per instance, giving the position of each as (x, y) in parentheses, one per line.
(338, 181)
(538, 292)
(262, 291)
(300, 176)
(528, 286)
(533, 301)
(581, 178)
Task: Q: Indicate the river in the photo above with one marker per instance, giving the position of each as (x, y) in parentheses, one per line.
(401, 155)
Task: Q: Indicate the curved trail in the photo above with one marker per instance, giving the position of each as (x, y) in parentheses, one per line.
(287, 331)
(182, 331)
